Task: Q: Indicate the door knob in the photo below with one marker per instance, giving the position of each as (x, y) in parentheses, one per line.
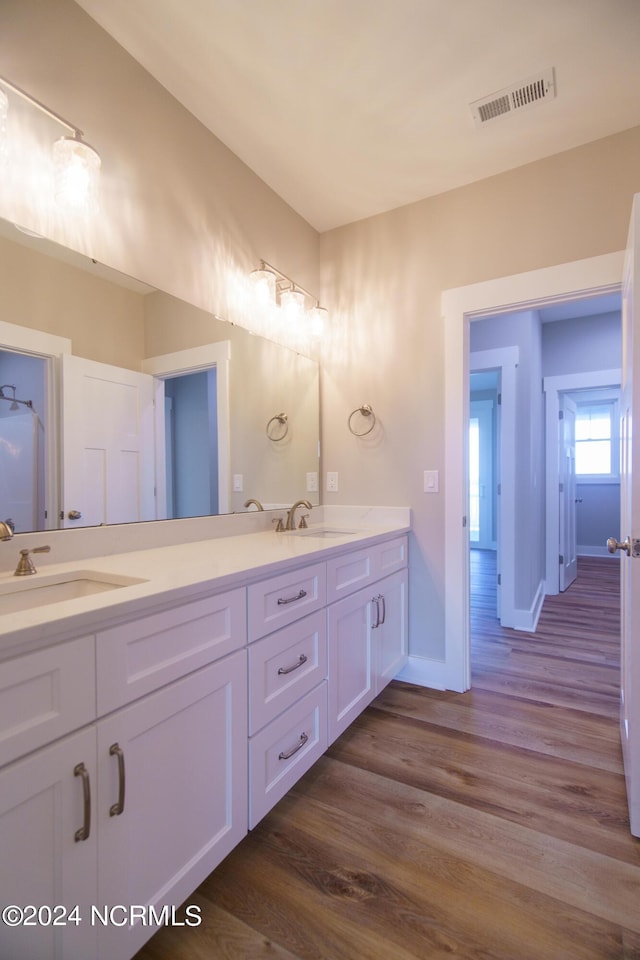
(613, 545)
(74, 515)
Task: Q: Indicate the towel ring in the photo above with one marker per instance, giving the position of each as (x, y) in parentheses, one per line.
(282, 419)
(366, 411)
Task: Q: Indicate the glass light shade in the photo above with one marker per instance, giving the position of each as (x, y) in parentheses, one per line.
(76, 172)
(317, 320)
(265, 284)
(4, 110)
(292, 305)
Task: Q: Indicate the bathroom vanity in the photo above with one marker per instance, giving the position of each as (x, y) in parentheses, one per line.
(148, 725)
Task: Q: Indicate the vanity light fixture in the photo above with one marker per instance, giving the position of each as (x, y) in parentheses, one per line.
(276, 287)
(76, 163)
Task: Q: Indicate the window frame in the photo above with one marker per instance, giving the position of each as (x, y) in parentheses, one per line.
(601, 398)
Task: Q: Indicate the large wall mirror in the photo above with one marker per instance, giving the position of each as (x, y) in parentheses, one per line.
(120, 402)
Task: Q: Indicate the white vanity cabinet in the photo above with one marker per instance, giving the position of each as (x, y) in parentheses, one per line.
(287, 684)
(143, 802)
(42, 808)
(177, 760)
(367, 628)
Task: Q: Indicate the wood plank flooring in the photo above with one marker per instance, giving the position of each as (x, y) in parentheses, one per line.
(490, 824)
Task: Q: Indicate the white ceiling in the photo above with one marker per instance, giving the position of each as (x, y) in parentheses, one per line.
(349, 108)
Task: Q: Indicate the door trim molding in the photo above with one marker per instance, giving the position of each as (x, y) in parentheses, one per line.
(579, 279)
(553, 387)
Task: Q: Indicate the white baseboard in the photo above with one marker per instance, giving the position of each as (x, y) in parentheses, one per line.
(527, 620)
(588, 550)
(426, 673)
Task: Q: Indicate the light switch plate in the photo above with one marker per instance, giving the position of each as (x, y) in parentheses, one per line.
(431, 481)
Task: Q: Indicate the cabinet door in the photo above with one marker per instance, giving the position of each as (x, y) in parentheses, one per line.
(184, 759)
(351, 679)
(391, 636)
(42, 806)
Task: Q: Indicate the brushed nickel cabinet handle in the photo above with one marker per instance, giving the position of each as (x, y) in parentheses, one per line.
(377, 623)
(299, 745)
(115, 750)
(298, 596)
(83, 833)
(384, 609)
(284, 670)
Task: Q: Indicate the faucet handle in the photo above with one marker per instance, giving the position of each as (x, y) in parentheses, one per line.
(279, 524)
(303, 522)
(26, 565)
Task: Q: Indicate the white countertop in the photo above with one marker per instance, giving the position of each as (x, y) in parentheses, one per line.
(177, 574)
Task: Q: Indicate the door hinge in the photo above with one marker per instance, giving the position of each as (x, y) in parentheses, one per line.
(560, 414)
(464, 521)
(561, 559)
(499, 579)
(499, 399)
(561, 487)
(635, 548)
(499, 489)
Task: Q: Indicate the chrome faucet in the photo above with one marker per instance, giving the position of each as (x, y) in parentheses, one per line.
(6, 529)
(291, 516)
(255, 502)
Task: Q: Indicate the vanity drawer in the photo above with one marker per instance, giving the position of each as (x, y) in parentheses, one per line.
(284, 666)
(280, 600)
(44, 695)
(284, 750)
(135, 658)
(352, 571)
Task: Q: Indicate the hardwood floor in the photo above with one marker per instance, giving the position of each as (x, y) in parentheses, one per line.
(490, 824)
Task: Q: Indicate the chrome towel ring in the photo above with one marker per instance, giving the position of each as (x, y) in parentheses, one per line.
(366, 411)
(273, 432)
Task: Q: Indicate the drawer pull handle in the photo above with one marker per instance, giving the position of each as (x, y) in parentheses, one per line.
(284, 670)
(115, 750)
(376, 600)
(83, 833)
(384, 608)
(298, 596)
(299, 745)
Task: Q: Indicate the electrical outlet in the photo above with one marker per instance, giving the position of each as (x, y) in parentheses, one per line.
(332, 482)
(312, 482)
(238, 482)
(431, 481)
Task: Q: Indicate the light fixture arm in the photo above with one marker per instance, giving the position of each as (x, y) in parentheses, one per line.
(283, 277)
(77, 132)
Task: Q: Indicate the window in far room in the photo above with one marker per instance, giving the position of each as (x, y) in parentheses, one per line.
(597, 440)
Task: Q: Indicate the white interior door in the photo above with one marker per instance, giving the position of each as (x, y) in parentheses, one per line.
(568, 532)
(630, 525)
(108, 444)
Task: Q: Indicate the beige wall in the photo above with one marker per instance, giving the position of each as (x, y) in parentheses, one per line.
(178, 209)
(382, 280)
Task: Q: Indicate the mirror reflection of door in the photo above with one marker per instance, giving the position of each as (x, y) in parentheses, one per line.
(191, 444)
(22, 440)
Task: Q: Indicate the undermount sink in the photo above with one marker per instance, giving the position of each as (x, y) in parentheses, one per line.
(26, 593)
(329, 532)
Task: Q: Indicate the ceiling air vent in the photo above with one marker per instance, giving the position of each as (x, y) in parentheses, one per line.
(514, 98)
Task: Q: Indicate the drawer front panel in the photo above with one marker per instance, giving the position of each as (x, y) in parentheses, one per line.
(138, 657)
(46, 694)
(285, 666)
(281, 600)
(392, 556)
(346, 574)
(284, 750)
